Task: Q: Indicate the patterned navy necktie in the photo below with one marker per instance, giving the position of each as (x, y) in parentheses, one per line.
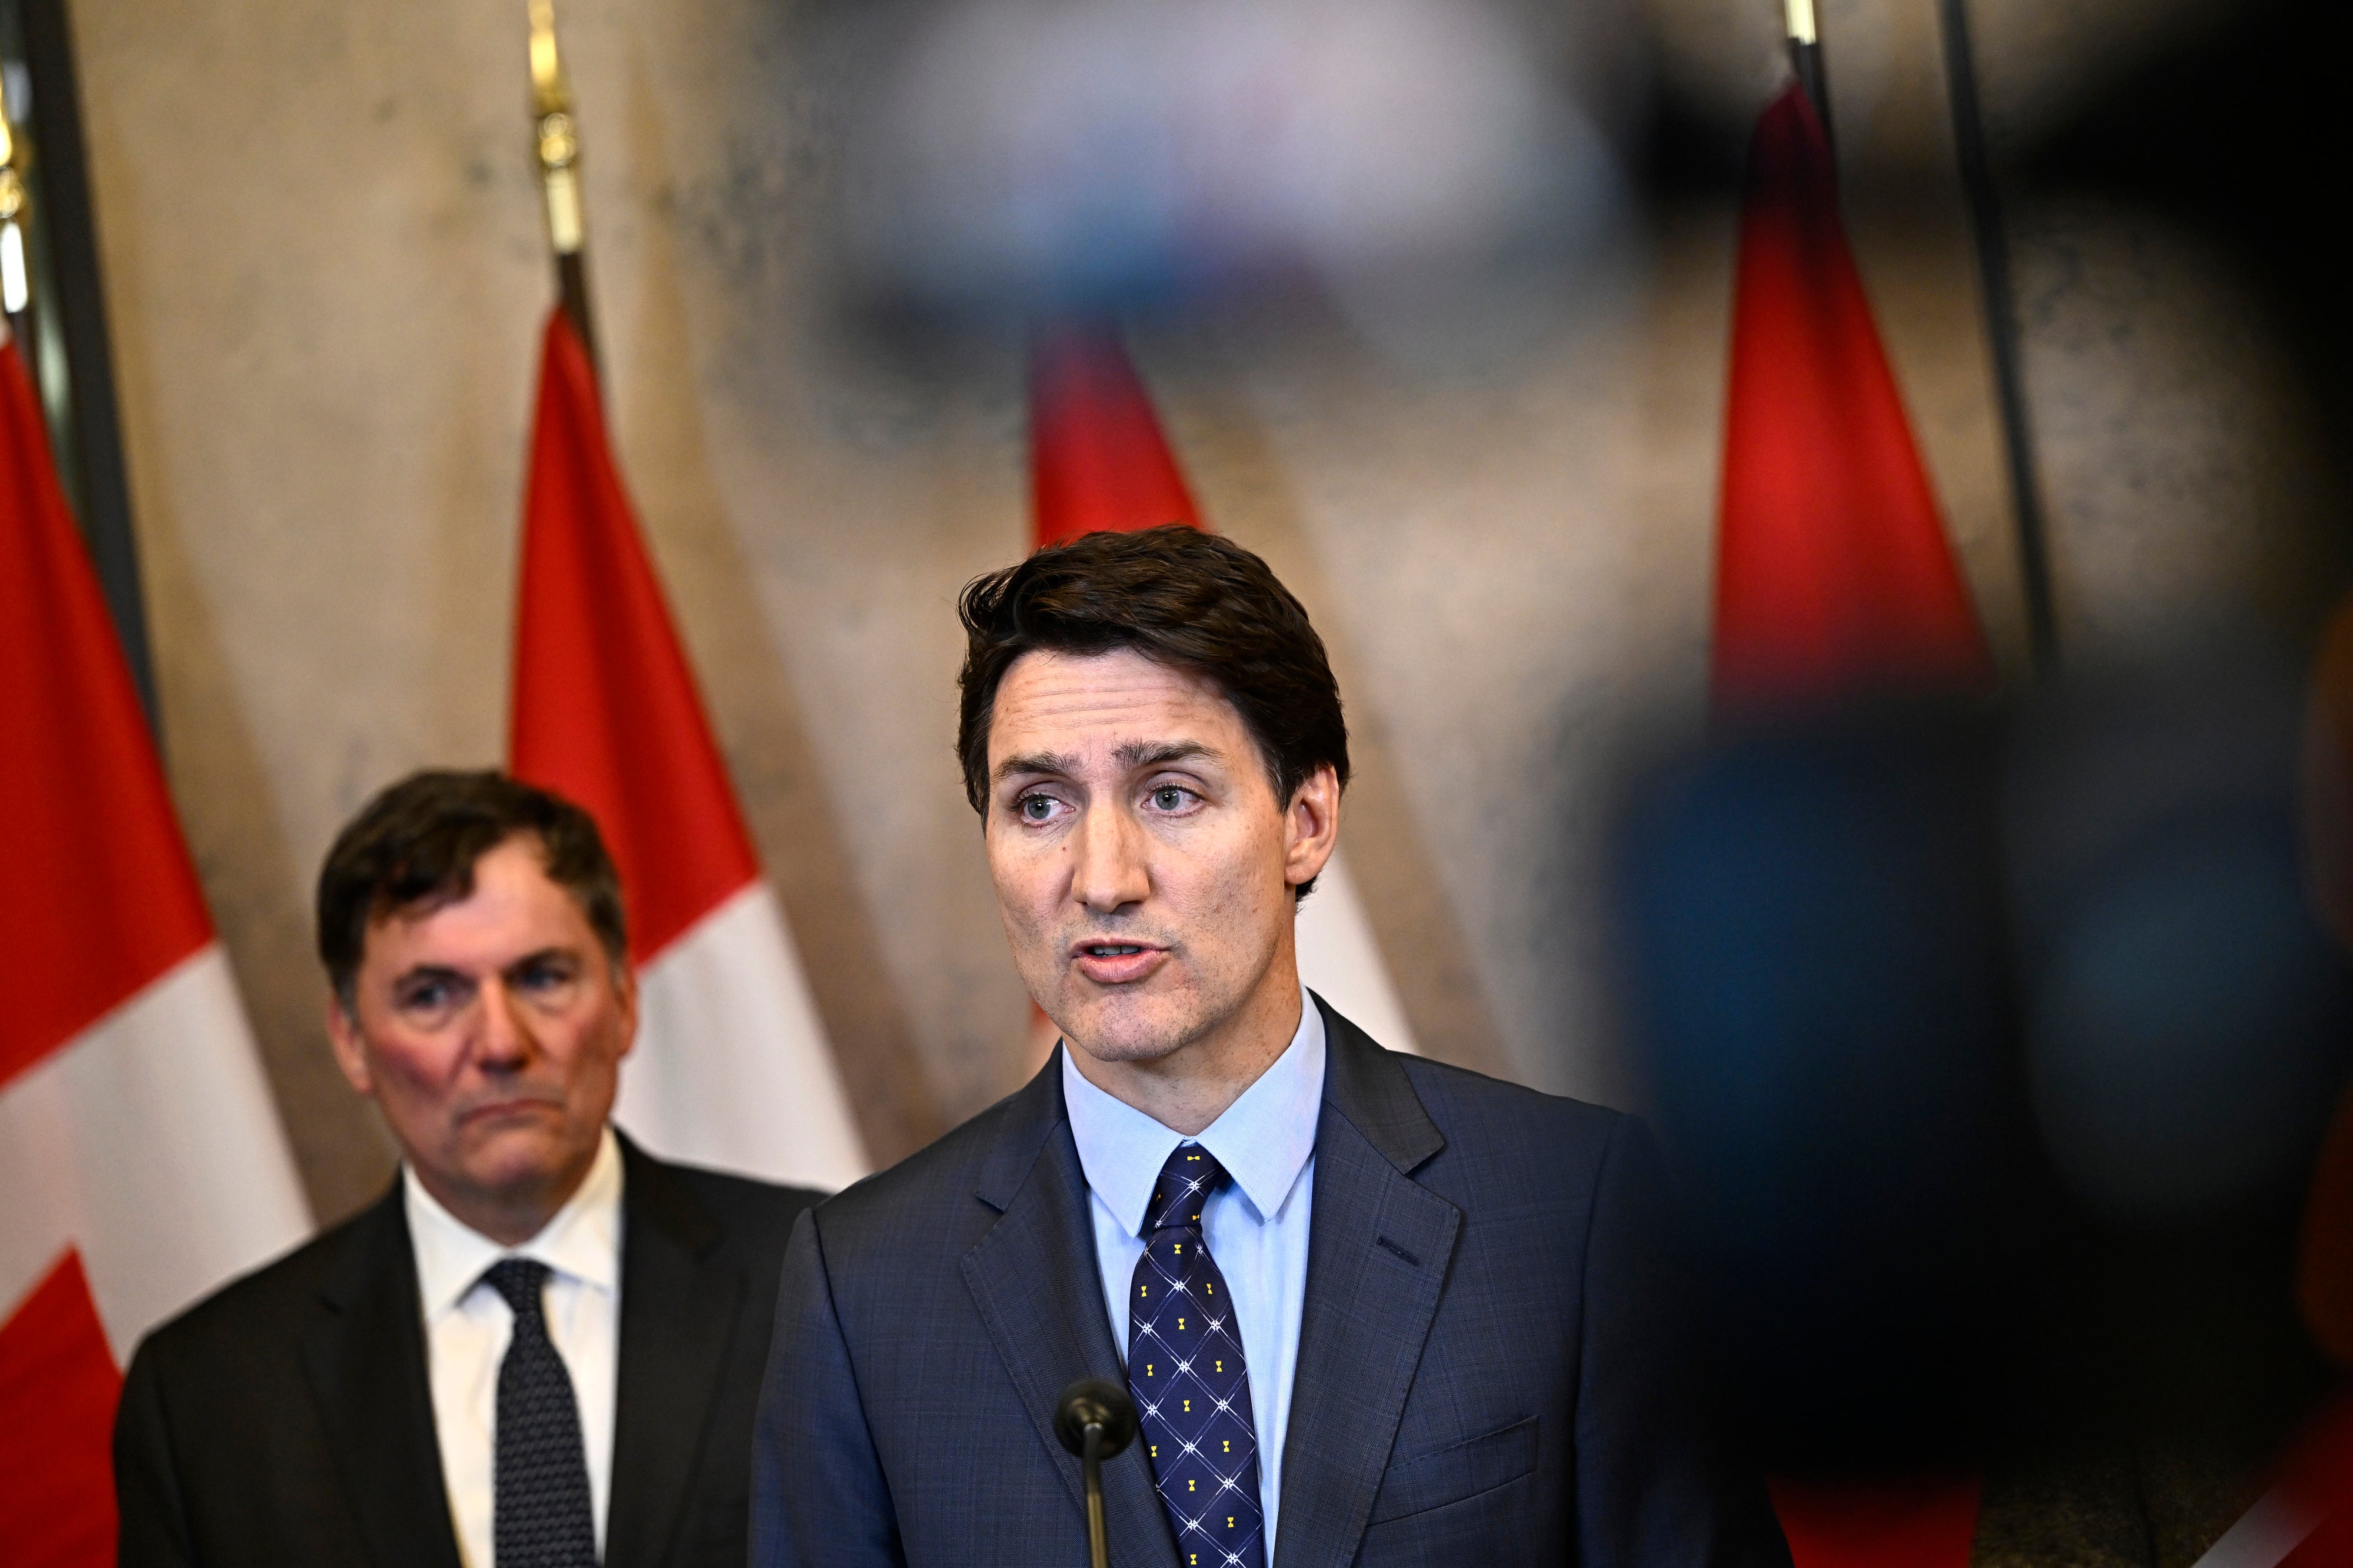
(1184, 1368)
(540, 1516)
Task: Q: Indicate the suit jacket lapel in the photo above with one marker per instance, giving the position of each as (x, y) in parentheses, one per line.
(364, 1349)
(1377, 1251)
(1035, 1280)
(680, 1308)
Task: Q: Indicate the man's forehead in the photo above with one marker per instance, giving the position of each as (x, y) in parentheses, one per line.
(509, 898)
(1119, 698)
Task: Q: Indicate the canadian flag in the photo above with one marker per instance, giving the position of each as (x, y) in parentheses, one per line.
(731, 1067)
(1098, 460)
(1833, 573)
(1833, 579)
(142, 1163)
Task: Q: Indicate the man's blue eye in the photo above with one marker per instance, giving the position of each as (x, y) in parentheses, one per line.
(1036, 808)
(1168, 797)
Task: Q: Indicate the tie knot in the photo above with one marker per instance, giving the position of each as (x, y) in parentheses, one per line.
(521, 1281)
(1187, 1181)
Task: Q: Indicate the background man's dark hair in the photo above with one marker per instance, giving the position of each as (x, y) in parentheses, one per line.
(415, 846)
(1180, 596)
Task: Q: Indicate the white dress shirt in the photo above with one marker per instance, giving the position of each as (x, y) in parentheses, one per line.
(1255, 1228)
(468, 1324)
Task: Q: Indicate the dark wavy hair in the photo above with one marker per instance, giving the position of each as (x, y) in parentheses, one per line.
(414, 848)
(1187, 599)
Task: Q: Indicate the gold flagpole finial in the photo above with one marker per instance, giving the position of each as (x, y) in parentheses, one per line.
(558, 140)
(15, 274)
(1799, 14)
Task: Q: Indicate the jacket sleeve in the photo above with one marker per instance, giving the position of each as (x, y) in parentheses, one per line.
(819, 1499)
(154, 1526)
(1655, 1481)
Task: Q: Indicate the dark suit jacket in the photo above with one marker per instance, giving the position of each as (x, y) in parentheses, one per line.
(287, 1419)
(1489, 1368)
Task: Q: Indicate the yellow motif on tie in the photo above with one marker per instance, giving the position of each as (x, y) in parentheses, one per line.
(1221, 1365)
(1229, 1521)
(1229, 1447)
(1188, 1407)
(1180, 1249)
(1192, 1486)
(1180, 1322)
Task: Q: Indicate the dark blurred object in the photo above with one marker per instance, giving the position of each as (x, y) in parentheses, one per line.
(1994, 1050)
(2188, 1015)
(1818, 968)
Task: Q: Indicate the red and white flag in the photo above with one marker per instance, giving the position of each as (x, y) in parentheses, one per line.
(1098, 461)
(142, 1163)
(1834, 580)
(1833, 573)
(732, 1067)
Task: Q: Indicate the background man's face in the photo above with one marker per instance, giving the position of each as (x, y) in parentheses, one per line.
(1142, 864)
(490, 1031)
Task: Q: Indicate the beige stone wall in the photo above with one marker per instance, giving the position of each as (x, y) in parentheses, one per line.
(326, 273)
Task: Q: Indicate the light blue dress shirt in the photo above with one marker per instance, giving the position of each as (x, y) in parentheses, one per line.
(1256, 1226)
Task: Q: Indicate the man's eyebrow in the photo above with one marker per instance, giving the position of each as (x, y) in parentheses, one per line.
(1137, 754)
(427, 971)
(1038, 763)
(1130, 756)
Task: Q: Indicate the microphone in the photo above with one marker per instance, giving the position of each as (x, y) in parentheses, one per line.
(1095, 1420)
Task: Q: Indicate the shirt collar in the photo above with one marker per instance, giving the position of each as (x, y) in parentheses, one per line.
(1263, 1139)
(583, 1239)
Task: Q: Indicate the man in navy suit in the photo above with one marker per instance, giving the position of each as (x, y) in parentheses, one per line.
(1373, 1310)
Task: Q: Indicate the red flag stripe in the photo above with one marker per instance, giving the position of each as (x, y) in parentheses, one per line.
(57, 1392)
(1930, 1523)
(605, 708)
(1098, 459)
(1833, 570)
(97, 896)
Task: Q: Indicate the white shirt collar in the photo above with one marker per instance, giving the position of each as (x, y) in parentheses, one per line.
(583, 1239)
(1262, 1138)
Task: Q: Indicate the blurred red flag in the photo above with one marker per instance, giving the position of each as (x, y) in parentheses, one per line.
(1833, 580)
(1833, 575)
(1097, 458)
(732, 1065)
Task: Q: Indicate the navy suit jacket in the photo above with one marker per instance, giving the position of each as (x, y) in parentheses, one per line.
(1489, 1369)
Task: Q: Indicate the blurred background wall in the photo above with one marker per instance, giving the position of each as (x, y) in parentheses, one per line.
(326, 271)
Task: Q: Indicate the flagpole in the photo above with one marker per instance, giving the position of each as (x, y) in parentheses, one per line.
(556, 141)
(2002, 329)
(64, 334)
(1806, 57)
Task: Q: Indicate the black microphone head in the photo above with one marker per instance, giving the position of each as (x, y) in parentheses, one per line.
(1094, 1401)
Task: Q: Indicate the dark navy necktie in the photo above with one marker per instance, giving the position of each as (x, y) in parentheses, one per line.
(541, 1513)
(1185, 1367)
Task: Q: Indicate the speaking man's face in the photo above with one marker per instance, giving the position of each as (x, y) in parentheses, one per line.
(1144, 866)
(489, 1030)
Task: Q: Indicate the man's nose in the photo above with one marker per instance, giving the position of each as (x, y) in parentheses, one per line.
(505, 1041)
(1109, 871)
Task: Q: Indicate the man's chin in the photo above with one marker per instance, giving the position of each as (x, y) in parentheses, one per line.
(1110, 1032)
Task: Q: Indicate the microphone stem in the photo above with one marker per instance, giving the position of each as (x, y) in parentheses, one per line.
(1091, 1461)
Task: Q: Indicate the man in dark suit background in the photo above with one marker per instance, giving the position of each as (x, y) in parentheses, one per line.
(1373, 1310)
(542, 1347)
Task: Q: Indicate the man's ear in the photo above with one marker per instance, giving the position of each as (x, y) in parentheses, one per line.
(1311, 826)
(351, 1051)
(625, 988)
